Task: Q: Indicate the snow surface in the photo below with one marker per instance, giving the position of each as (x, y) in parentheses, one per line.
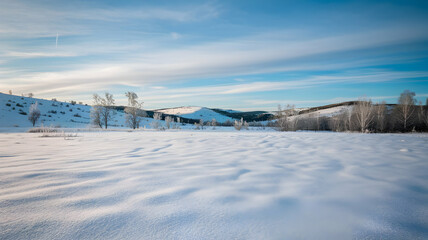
(197, 113)
(214, 185)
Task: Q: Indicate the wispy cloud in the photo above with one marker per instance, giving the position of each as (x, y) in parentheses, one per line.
(30, 19)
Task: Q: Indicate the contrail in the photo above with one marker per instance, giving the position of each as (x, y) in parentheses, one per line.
(56, 42)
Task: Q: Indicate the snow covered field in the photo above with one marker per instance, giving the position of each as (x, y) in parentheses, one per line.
(203, 113)
(214, 185)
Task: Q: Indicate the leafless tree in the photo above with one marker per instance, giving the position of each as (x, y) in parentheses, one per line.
(201, 123)
(239, 124)
(197, 125)
(422, 116)
(214, 123)
(134, 112)
(30, 95)
(286, 119)
(363, 114)
(105, 106)
(380, 116)
(96, 116)
(157, 117)
(177, 124)
(10, 92)
(34, 113)
(405, 108)
(336, 123)
(168, 120)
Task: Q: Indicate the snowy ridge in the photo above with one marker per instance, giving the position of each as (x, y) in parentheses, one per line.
(13, 110)
(197, 113)
(329, 112)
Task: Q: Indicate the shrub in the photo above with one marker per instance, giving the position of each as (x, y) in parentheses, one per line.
(42, 130)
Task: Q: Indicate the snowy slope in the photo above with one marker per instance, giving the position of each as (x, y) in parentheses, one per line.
(208, 185)
(329, 112)
(54, 113)
(197, 113)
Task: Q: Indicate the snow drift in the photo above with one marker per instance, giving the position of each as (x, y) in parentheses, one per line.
(211, 185)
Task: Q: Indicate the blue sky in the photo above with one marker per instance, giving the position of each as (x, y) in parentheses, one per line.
(244, 55)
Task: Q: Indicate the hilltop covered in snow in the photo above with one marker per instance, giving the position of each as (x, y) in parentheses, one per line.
(203, 113)
(14, 113)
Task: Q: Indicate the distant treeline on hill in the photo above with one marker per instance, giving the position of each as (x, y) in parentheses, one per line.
(150, 114)
(254, 116)
(362, 115)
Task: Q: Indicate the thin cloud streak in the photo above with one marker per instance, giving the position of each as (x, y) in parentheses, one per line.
(28, 19)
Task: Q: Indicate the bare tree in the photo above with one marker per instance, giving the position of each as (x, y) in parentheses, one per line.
(157, 116)
(363, 114)
(238, 124)
(214, 123)
(96, 116)
(177, 124)
(133, 111)
(349, 124)
(34, 113)
(246, 125)
(201, 123)
(105, 106)
(286, 119)
(168, 120)
(30, 95)
(422, 116)
(10, 92)
(405, 108)
(241, 124)
(380, 112)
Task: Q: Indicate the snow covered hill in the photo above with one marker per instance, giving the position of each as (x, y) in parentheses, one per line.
(14, 110)
(327, 112)
(203, 113)
(14, 113)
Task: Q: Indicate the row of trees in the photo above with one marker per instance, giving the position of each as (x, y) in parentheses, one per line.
(103, 111)
(364, 116)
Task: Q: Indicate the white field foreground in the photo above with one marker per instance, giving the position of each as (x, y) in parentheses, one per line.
(214, 185)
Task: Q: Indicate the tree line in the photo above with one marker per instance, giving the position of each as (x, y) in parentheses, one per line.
(364, 116)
